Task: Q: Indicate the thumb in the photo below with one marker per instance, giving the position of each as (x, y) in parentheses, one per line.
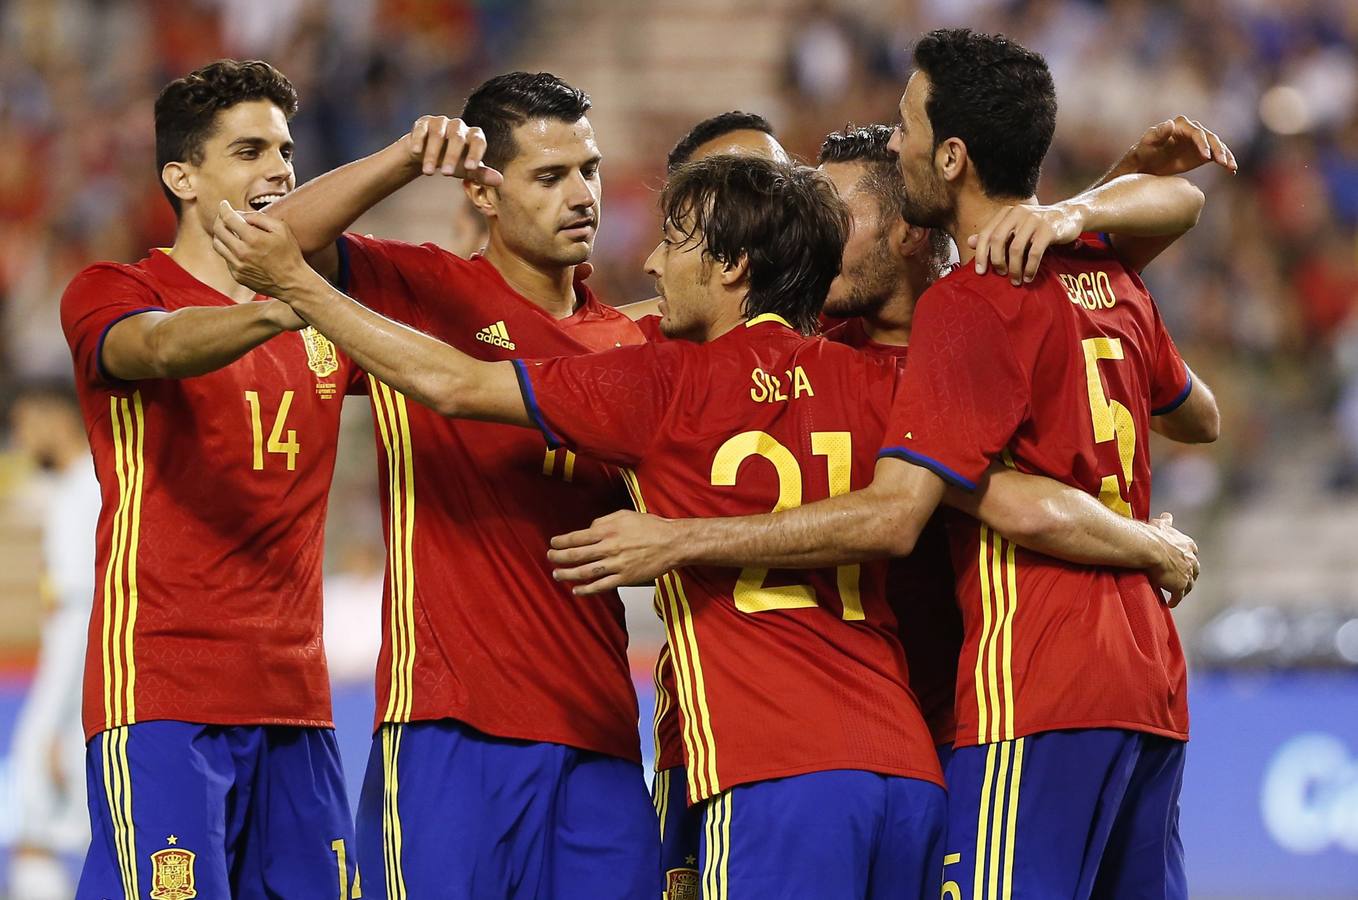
(265, 222)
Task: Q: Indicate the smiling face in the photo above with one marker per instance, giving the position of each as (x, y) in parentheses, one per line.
(928, 201)
(547, 209)
(246, 160)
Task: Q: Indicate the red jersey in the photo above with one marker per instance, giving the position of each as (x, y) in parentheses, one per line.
(208, 578)
(778, 673)
(476, 629)
(920, 588)
(1059, 377)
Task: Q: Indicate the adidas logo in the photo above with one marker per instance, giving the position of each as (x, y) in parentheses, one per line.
(496, 335)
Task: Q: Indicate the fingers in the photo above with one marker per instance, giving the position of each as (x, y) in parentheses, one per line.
(1000, 238)
(983, 239)
(436, 143)
(1041, 241)
(610, 583)
(589, 572)
(230, 219)
(578, 555)
(473, 148)
(1019, 248)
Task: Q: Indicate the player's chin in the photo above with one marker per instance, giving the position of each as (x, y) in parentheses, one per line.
(572, 253)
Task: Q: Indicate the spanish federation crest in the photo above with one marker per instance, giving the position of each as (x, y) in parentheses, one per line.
(320, 353)
(681, 884)
(172, 874)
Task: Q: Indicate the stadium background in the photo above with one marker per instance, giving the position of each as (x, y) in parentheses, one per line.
(1262, 296)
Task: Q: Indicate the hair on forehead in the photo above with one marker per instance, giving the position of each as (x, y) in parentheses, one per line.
(785, 221)
(507, 101)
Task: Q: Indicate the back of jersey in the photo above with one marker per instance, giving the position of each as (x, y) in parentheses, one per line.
(1058, 378)
(779, 673)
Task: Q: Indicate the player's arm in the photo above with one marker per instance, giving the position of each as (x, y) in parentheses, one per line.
(192, 341)
(263, 254)
(1064, 522)
(1151, 206)
(1195, 420)
(1172, 147)
(320, 210)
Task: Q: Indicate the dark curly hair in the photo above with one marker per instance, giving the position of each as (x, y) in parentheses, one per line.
(186, 110)
(506, 101)
(711, 129)
(997, 97)
(786, 220)
(867, 144)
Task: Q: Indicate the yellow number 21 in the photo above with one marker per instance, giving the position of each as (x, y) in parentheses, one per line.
(1112, 421)
(751, 595)
(276, 443)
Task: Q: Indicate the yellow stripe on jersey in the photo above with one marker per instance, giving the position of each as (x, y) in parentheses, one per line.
(391, 814)
(119, 598)
(663, 703)
(389, 409)
(699, 745)
(995, 652)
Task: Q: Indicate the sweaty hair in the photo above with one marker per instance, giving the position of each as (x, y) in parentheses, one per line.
(711, 129)
(786, 220)
(867, 145)
(997, 97)
(506, 101)
(186, 110)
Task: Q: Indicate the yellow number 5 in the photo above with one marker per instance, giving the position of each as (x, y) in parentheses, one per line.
(751, 595)
(276, 444)
(1112, 421)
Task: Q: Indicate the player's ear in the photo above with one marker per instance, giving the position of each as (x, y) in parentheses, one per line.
(950, 157)
(178, 177)
(734, 273)
(908, 239)
(482, 198)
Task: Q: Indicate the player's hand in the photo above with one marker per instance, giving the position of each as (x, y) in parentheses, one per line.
(1015, 239)
(260, 251)
(1179, 567)
(1178, 145)
(619, 549)
(438, 144)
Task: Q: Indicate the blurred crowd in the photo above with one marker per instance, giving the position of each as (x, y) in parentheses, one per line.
(1261, 295)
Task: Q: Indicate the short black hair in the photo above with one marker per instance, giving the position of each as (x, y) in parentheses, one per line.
(867, 144)
(997, 97)
(506, 101)
(787, 220)
(711, 129)
(186, 110)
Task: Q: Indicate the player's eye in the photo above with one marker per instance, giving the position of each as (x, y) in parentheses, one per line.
(287, 154)
(590, 172)
(549, 179)
(249, 153)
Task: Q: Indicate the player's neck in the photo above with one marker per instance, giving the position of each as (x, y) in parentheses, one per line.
(974, 210)
(890, 323)
(552, 289)
(193, 252)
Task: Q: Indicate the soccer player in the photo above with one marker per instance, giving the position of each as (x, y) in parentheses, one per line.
(750, 248)
(1072, 708)
(212, 416)
(506, 759)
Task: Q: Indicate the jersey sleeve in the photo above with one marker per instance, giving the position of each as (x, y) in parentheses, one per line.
(1171, 382)
(963, 393)
(96, 300)
(605, 405)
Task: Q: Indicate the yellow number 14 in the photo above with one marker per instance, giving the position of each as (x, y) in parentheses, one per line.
(276, 444)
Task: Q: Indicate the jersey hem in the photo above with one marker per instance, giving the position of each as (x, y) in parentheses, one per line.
(90, 733)
(826, 766)
(1171, 733)
(536, 737)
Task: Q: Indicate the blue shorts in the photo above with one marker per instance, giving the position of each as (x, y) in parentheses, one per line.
(450, 812)
(681, 829)
(836, 835)
(1071, 814)
(179, 810)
